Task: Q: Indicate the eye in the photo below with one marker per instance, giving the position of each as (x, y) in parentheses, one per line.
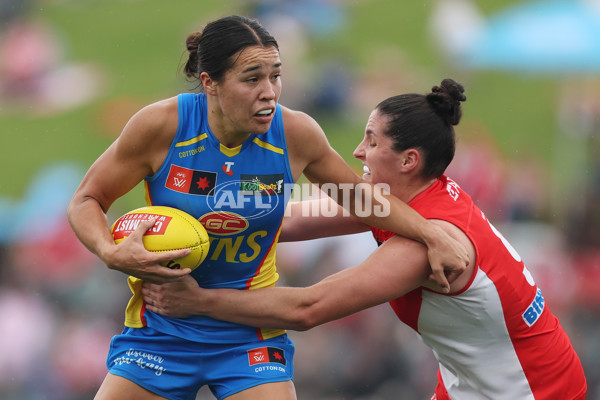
(252, 80)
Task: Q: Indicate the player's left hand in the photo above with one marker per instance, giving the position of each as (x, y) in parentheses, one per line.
(448, 259)
(173, 299)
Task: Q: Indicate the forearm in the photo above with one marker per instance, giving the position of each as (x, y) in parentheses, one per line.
(408, 223)
(313, 219)
(374, 206)
(89, 223)
(276, 308)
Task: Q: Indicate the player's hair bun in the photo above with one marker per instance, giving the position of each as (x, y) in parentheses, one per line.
(445, 100)
(192, 67)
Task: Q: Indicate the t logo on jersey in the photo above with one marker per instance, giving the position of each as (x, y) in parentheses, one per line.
(266, 355)
(227, 168)
(190, 181)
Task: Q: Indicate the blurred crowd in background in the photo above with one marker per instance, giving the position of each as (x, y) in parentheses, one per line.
(60, 306)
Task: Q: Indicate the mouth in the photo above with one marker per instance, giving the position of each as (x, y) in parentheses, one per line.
(267, 112)
(366, 170)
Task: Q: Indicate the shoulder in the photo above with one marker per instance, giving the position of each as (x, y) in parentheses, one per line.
(298, 120)
(158, 115)
(151, 130)
(305, 138)
(156, 121)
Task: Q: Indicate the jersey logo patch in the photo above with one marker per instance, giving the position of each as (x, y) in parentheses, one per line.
(224, 223)
(266, 355)
(184, 180)
(264, 185)
(453, 189)
(535, 309)
(227, 168)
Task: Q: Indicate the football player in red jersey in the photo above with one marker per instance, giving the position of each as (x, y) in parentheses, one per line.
(493, 333)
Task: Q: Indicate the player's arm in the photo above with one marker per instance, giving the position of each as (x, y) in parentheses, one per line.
(318, 218)
(395, 268)
(322, 164)
(137, 153)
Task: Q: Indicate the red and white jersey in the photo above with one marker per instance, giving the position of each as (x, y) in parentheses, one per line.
(496, 338)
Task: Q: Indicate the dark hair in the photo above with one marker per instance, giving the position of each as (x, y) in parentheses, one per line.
(425, 122)
(212, 49)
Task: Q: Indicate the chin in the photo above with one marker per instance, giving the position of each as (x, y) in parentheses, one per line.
(261, 130)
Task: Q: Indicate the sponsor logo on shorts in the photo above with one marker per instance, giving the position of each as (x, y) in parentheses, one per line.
(142, 359)
(262, 355)
(191, 181)
(535, 309)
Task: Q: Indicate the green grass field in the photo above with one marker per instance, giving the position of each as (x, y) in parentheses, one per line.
(139, 46)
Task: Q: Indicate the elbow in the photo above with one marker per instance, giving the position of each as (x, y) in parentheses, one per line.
(71, 211)
(306, 318)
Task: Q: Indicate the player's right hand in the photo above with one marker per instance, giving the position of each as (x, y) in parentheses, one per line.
(131, 257)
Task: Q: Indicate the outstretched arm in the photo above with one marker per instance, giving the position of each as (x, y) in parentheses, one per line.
(322, 165)
(395, 268)
(305, 220)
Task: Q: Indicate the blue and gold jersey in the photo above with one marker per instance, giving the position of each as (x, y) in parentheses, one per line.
(239, 195)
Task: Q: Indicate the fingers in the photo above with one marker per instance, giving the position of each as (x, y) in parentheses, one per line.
(164, 275)
(142, 228)
(439, 277)
(452, 274)
(148, 289)
(171, 255)
(160, 258)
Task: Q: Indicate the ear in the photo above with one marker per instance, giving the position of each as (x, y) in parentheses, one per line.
(411, 159)
(210, 86)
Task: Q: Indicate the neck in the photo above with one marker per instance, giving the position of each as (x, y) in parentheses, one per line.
(406, 191)
(230, 140)
(223, 129)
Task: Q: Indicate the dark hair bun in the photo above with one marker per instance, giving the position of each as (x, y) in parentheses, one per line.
(192, 67)
(445, 100)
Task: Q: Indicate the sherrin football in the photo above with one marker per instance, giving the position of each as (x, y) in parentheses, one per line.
(173, 230)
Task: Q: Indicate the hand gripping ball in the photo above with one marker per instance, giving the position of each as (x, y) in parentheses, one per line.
(173, 230)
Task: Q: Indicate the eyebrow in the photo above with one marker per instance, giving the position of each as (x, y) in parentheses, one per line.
(258, 67)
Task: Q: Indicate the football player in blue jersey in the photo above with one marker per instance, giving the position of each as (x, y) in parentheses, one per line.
(185, 149)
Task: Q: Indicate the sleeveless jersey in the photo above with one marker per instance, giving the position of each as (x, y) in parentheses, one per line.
(496, 338)
(239, 195)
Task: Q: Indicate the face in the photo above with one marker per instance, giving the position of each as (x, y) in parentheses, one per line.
(248, 93)
(380, 162)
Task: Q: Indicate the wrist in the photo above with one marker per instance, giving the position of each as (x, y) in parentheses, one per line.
(431, 233)
(205, 301)
(105, 252)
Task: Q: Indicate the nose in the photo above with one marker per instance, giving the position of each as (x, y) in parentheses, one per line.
(359, 152)
(269, 91)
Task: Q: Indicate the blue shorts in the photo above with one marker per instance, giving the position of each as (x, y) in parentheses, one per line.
(176, 368)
